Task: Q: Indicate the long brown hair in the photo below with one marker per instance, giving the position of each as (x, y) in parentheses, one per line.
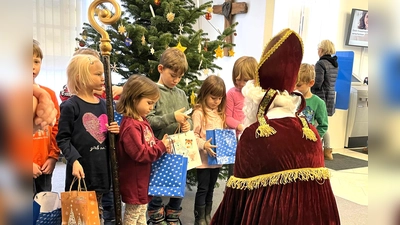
(136, 88)
(212, 85)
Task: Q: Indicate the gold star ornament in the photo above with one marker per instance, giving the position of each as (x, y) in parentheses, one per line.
(219, 52)
(180, 47)
(231, 53)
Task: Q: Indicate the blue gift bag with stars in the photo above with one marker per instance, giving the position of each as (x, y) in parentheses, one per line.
(117, 116)
(168, 176)
(225, 140)
(47, 208)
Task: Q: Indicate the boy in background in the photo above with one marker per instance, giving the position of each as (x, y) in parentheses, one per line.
(166, 118)
(45, 149)
(315, 110)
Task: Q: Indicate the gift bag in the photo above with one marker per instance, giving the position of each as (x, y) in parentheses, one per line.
(168, 176)
(79, 207)
(225, 140)
(117, 116)
(47, 208)
(185, 144)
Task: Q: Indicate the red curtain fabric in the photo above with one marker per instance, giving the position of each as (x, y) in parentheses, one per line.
(300, 202)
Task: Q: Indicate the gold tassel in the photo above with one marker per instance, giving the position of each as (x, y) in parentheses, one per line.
(265, 131)
(309, 134)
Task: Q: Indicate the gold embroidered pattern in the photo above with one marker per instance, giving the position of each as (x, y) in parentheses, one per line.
(264, 129)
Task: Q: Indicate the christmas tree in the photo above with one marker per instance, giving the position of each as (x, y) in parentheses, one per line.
(148, 27)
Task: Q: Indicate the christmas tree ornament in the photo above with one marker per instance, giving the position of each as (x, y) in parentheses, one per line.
(206, 71)
(199, 47)
(170, 16)
(210, 9)
(84, 35)
(201, 62)
(180, 29)
(152, 51)
(118, 52)
(192, 99)
(180, 47)
(143, 40)
(235, 34)
(208, 16)
(157, 2)
(114, 68)
(219, 52)
(82, 43)
(121, 29)
(128, 41)
(231, 53)
(152, 11)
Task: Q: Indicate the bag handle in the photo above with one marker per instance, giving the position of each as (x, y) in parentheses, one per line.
(178, 129)
(79, 184)
(171, 143)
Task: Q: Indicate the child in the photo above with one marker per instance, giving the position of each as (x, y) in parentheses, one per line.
(244, 69)
(137, 147)
(45, 149)
(166, 118)
(315, 110)
(83, 127)
(108, 198)
(209, 114)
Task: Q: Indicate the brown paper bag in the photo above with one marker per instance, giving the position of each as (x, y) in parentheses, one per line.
(79, 207)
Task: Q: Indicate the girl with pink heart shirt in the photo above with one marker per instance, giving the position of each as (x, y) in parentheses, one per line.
(82, 136)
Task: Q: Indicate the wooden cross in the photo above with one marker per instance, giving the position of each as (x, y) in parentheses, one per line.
(237, 8)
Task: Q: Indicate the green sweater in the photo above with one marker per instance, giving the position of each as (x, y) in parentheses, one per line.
(316, 114)
(162, 118)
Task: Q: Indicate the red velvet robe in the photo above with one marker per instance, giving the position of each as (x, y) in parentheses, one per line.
(298, 202)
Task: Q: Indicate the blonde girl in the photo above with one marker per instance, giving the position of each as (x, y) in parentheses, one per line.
(83, 126)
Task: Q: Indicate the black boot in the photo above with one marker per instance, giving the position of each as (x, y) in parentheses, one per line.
(208, 212)
(199, 215)
(172, 216)
(157, 216)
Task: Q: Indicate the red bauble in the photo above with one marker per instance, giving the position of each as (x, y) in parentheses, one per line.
(235, 34)
(157, 2)
(208, 16)
(82, 43)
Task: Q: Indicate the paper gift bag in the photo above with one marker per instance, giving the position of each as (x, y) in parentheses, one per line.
(185, 144)
(168, 176)
(79, 207)
(47, 208)
(225, 140)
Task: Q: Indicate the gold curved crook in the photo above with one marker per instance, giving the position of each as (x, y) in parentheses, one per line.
(105, 17)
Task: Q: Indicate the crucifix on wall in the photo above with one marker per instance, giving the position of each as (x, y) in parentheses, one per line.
(228, 9)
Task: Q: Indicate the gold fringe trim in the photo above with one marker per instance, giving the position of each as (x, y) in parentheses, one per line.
(307, 132)
(264, 129)
(283, 177)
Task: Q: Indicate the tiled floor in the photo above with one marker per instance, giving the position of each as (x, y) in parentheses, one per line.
(349, 186)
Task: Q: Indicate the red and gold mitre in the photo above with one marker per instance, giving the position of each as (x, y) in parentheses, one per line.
(278, 71)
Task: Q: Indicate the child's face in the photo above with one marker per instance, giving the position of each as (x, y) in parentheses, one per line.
(97, 75)
(240, 83)
(213, 102)
(168, 77)
(303, 87)
(145, 105)
(37, 63)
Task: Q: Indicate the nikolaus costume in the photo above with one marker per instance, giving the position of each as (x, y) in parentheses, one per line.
(279, 175)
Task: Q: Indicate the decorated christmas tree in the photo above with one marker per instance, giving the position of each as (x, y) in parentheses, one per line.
(148, 27)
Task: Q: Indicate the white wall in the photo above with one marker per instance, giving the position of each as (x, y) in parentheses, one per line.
(249, 38)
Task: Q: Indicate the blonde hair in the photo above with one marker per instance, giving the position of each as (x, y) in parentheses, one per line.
(136, 88)
(327, 47)
(175, 60)
(306, 73)
(87, 51)
(78, 72)
(212, 85)
(36, 49)
(244, 68)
